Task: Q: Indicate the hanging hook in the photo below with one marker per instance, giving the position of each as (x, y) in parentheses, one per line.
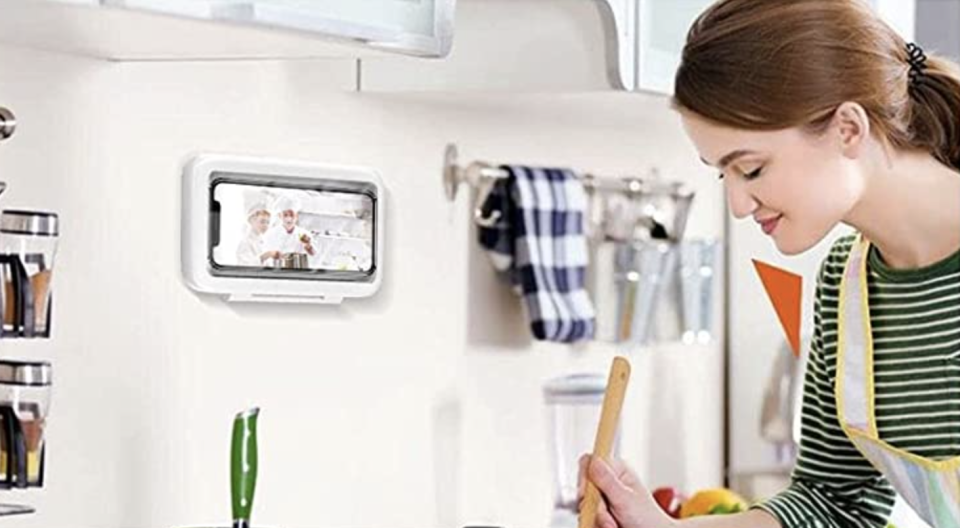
(484, 190)
(451, 172)
(480, 175)
(8, 123)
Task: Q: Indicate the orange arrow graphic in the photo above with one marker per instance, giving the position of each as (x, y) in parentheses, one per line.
(785, 291)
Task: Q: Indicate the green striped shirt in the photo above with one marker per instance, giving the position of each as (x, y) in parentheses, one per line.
(916, 333)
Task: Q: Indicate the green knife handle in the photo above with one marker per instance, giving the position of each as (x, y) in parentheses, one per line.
(243, 466)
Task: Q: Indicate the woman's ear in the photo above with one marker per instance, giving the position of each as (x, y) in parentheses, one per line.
(851, 127)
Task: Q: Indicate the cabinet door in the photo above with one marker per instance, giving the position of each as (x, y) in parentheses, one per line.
(661, 35)
(498, 49)
(413, 27)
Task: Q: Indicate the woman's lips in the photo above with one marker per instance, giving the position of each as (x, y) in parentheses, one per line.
(770, 225)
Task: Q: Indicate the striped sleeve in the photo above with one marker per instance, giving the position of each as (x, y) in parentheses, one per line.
(833, 485)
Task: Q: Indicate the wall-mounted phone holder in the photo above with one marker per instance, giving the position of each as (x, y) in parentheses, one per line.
(264, 230)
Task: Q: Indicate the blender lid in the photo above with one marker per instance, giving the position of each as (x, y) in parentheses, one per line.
(37, 223)
(576, 385)
(30, 373)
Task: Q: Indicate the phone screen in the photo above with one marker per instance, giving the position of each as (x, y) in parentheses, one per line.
(291, 230)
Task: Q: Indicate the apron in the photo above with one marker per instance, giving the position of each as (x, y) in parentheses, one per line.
(931, 487)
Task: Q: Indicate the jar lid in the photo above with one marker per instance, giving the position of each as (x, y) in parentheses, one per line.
(36, 223)
(29, 373)
(575, 385)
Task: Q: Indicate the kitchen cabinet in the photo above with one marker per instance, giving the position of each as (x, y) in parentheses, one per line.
(575, 45)
(501, 45)
(230, 29)
(662, 33)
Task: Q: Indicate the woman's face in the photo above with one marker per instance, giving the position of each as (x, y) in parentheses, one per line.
(796, 185)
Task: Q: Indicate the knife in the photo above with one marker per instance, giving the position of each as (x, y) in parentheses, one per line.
(243, 466)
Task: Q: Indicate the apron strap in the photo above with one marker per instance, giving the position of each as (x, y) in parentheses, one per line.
(854, 384)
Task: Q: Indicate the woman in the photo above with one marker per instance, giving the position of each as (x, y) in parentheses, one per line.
(816, 113)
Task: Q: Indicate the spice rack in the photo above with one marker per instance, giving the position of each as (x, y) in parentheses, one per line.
(27, 247)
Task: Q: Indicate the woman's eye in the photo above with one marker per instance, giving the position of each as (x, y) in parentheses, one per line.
(748, 175)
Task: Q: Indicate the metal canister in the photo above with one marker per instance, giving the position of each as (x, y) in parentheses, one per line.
(293, 261)
(24, 405)
(28, 248)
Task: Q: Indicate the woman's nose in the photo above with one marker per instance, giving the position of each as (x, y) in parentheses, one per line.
(742, 203)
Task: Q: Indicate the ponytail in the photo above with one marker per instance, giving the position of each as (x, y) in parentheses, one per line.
(935, 111)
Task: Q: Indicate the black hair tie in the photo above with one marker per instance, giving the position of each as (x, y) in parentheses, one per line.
(917, 60)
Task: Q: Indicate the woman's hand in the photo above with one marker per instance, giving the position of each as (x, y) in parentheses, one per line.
(625, 501)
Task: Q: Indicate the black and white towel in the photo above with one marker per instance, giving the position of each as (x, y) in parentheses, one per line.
(540, 244)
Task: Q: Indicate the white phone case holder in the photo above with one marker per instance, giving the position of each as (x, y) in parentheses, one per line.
(334, 233)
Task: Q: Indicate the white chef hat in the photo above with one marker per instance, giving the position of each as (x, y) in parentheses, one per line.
(255, 202)
(287, 203)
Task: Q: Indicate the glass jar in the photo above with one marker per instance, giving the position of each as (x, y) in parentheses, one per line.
(28, 247)
(573, 403)
(24, 406)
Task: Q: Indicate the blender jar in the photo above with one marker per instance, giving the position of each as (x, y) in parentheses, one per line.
(24, 404)
(573, 407)
(28, 246)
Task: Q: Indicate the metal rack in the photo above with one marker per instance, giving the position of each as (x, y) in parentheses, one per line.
(483, 176)
(17, 478)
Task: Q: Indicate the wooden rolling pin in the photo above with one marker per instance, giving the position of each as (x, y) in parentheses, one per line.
(606, 431)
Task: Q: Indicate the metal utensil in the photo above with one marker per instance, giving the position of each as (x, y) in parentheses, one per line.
(698, 271)
(661, 209)
(643, 273)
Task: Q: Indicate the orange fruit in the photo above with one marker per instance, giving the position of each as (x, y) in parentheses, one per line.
(713, 502)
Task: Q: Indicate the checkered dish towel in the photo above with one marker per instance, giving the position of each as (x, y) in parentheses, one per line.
(539, 243)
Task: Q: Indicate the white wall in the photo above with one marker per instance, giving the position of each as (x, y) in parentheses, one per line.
(937, 21)
(419, 407)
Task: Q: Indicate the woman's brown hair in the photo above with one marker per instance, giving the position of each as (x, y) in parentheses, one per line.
(776, 64)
